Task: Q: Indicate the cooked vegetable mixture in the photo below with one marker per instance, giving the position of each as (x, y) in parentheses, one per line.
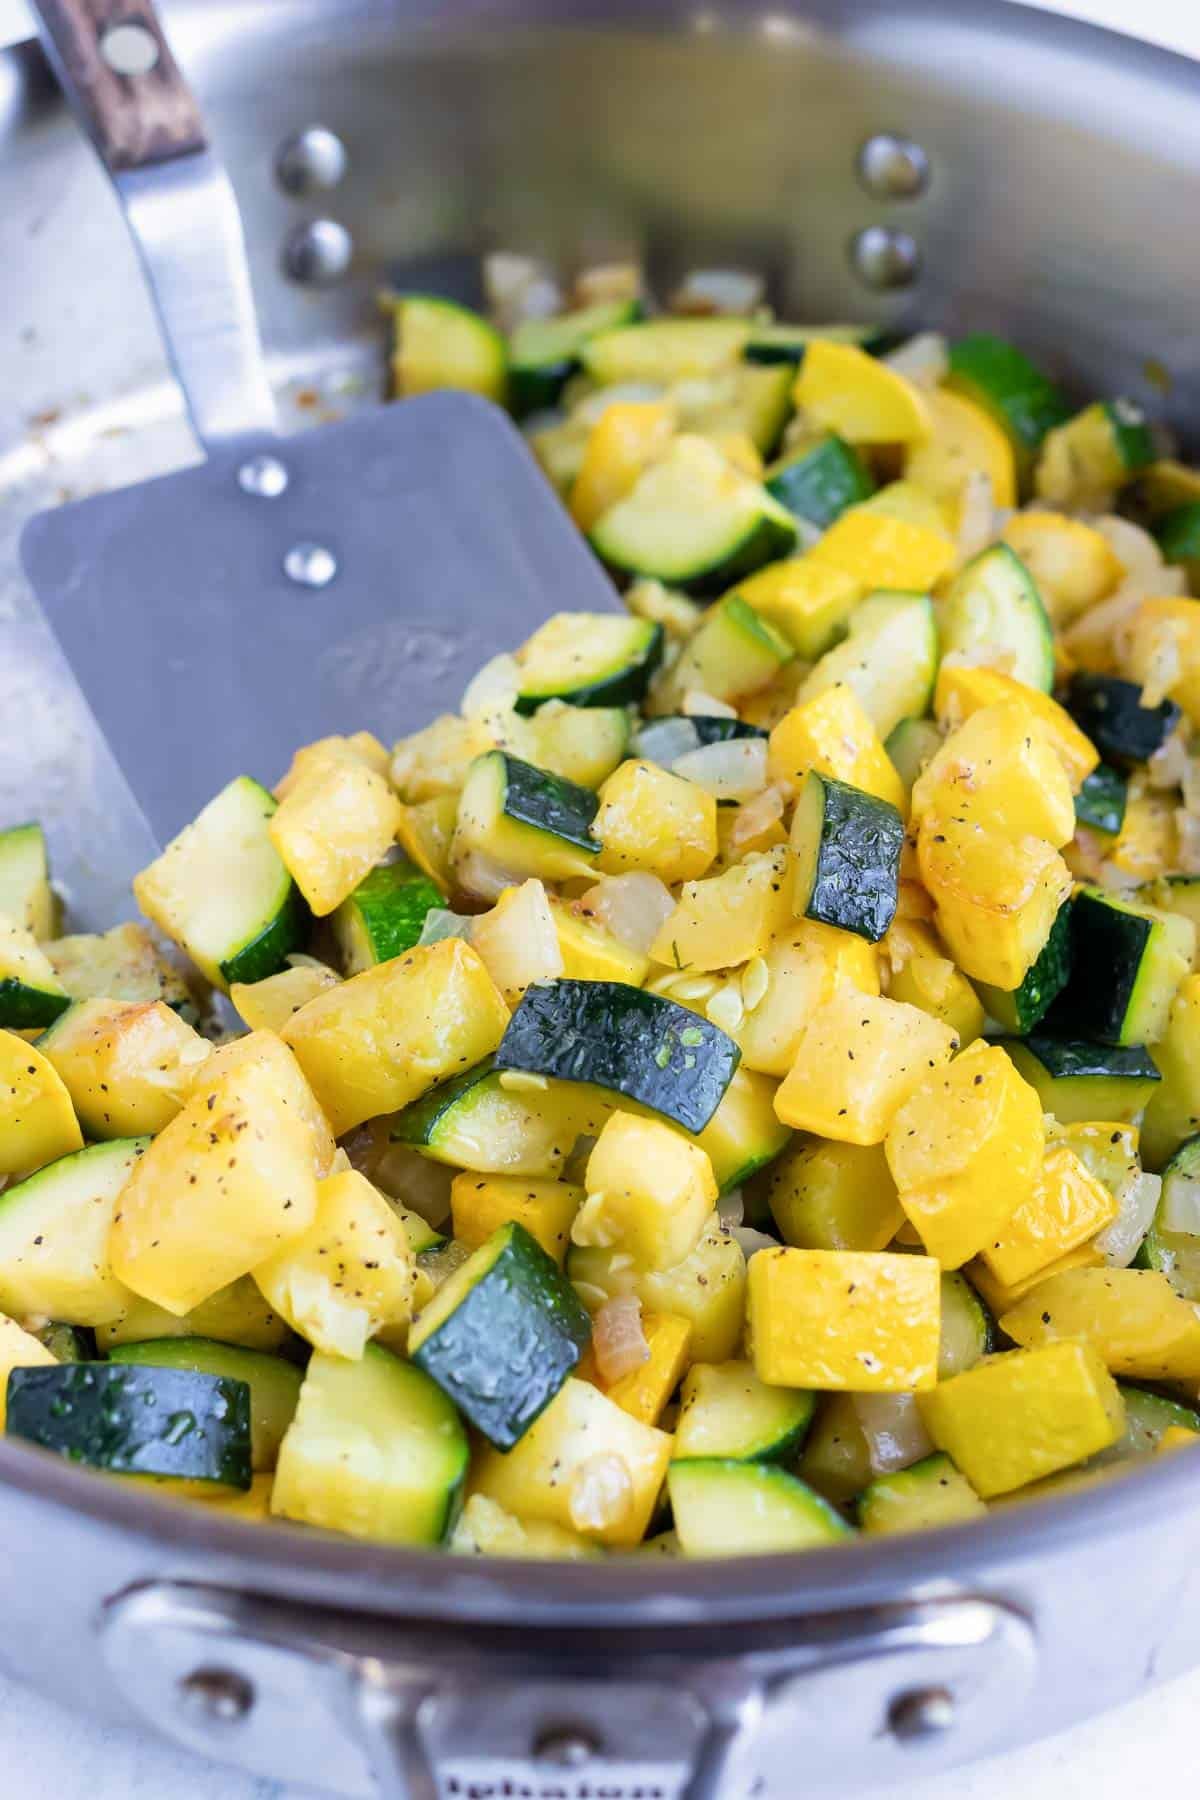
(734, 1085)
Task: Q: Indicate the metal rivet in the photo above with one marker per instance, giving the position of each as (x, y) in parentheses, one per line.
(310, 161)
(264, 476)
(310, 565)
(318, 253)
(566, 1747)
(130, 48)
(883, 257)
(893, 168)
(924, 1713)
(216, 1696)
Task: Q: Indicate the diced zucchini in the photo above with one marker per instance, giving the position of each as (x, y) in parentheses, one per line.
(966, 446)
(806, 600)
(54, 1236)
(744, 1134)
(993, 613)
(910, 746)
(664, 350)
(1110, 711)
(1000, 379)
(477, 1121)
(1168, 1246)
(836, 1459)
(67, 1343)
(221, 892)
(1079, 1081)
(122, 964)
(744, 413)
(1100, 802)
(128, 1065)
(733, 653)
(1148, 1418)
(779, 343)
(889, 659)
(1127, 962)
(1084, 462)
(375, 1450)
(439, 344)
(588, 659)
(273, 1383)
(845, 849)
(727, 1508)
(543, 354)
(694, 521)
(930, 1492)
(524, 821)
(384, 915)
(583, 744)
(968, 1329)
(26, 896)
(501, 1335)
(30, 993)
(1179, 540)
(1021, 1009)
(236, 1314)
(726, 1411)
(708, 1288)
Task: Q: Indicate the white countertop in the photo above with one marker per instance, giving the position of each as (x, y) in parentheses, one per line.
(1145, 1747)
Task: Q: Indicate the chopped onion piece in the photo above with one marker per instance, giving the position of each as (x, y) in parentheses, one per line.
(591, 411)
(977, 526)
(483, 876)
(664, 741)
(730, 292)
(1181, 1205)
(1190, 783)
(298, 960)
(756, 816)
(493, 688)
(891, 1424)
(650, 599)
(608, 281)
(1137, 1203)
(730, 770)
(518, 287)
(725, 1008)
(416, 1182)
(731, 1208)
(601, 1493)
(923, 360)
(632, 907)
(756, 979)
(1169, 765)
(1135, 549)
(750, 1242)
(699, 705)
(1187, 856)
(441, 923)
(618, 1338)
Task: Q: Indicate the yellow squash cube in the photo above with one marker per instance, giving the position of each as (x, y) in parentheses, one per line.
(965, 1150)
(802, 971)
(627, 437)
(881, 551)
(268, 1050)
(37, 1120)
(843, 389)
(1164, 652)
(921, 974)
(998, 1296)
(995, 899)
(1147, 844)
(964, 442)
(862, 1321)
(18, 1350)
(349, 1276)
(965, 688)
(236, 1314)
(1066, 1208)
(644, 1392)
(426, 834)
(1014, 1418)
(333, 826)
(362, 747)
(833, 734)
(651, 1192)
(433, 762)
(1133, 1318)
(1173, 1112)
(267, 1005)
(589, 951)
(374, 1043)
(729, 918)
(128, 1065)
(858, 1059)
(650, 819)
(708, 1288)
(999, 769)
(1072, 564)
(808, 601)
(480, 1204)
(826, 1196)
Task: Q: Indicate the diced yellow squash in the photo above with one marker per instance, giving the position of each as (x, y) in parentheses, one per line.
(995, 899)
(1080, 464)
(1073, 565)
(826, 1196)
(733, 654)
(999, 770)
(227, 1182)
(485, 1529)
(518, 940)
(1014, 1418)
(921, 974)
(627, 437)
(1178, 1437)
(1164, 653)
(581, 1442)
(880, 551)
(480, 1204)
(728, 918)
(1067, 1207)
(288, 1080)
(807, 600)
(254, 1504)
(803, 969)
(843, 389)
(1147, 844)
(964, 442)
(999, 1296)
(650, 1192)
(1133, 1318)
(425, 832)
(1173, 1112)
(267, 1005)
(965, 1151)
(127, 1064)
(914, 504)
(125, 963)
(858, 1059)
(863, 1321)
(834, 734)
(335, 824)
(650, 819)
(350, 1275)
(236, 1314)
(363, 746)
(738, 448)
(766, 707)
(37, 1120)
(963, 689)
(708, 1288)
(589, 951)
(644, 1392)
(435, 760)
(1166, 484)
(18, 1350)
(385, 1037)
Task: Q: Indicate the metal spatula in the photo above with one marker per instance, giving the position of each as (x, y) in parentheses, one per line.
(352, 576)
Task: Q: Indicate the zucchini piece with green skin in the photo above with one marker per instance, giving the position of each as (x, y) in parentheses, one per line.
(1147, 1416)
(588, 659)
(726, 1411)
(384, 916)
(1110, 712)
(1002, 380)
(846, 848)
(610, 1035)
(889, 659)
(787, 343)
(744, 1134)
(526, 820)
(1022, 1009)
(583, 744)
(543, 354)
(1100, 802)
(725, 1508)
(26, 896)
(733, 652)
(221, 891)
(1084, 462)
(273, 1383)
(474, 1121)
(664, 350)
(930, 1492)
(68, 1343)
(750, 402)
(54, 1229)
(31, 995)
(993, 605)
(1078, 1081)
(818, 484)
(502, 1334)
(968, 1330)
(912, 744)
(1175, 1253)
(1126, 963)
(1178, 535)
(136, 1421)
(375, 1450)
(440, 344)
(695, 522)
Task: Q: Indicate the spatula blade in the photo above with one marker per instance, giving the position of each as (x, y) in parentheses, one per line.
(202, 659)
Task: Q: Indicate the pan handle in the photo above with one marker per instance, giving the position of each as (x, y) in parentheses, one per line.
(123, 84)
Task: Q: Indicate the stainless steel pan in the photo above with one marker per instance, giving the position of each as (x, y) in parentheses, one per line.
(1047, 188)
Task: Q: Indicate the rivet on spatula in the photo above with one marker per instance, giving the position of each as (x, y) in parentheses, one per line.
(264, 476)
(310, 565)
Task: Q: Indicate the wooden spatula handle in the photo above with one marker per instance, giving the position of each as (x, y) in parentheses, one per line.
(117, 68)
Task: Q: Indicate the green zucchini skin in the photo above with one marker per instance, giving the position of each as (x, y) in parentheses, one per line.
(136, 1421)
(968, 1331)
(1111, 961)
(549, 803)
(543, 354)
(624, 684)
(787, 343)
(68, 1343)
(817, 485)
(1078, 1080)
(1000, 378)
(1110, 712)
(267, 953)
(25, 1008)
(1100, 802)
(1131, 434)
(852, 855)
(1174, 1254)
(713, 730)
(515, 1335)
(1023, 1009)
(274, 1383)
(1178, 537)
(615, 1036)
(385, 914)
(418, 1124)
